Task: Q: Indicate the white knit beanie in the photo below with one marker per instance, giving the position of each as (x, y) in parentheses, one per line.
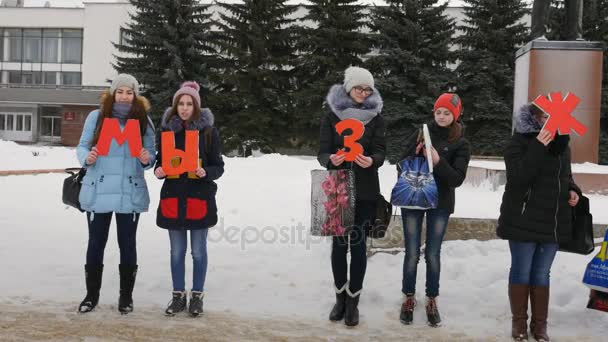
(125, 80)
(355, 76)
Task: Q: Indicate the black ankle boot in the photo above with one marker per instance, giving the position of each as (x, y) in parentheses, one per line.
(337, 313)
(93, 275)
(127, 282)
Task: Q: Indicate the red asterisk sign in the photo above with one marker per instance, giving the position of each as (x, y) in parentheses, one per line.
(559, 111)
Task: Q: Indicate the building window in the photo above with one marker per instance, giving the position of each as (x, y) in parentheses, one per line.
(19, 123)
(9, 122)
(31, 77)
(124, 37)
(71, 49)
(70, 78)
(2, 122)
(50, 126)
(14, 44)
(50, 122)
(50, 45)
(49, 77)
(1, 44)
(32, 46)
(27, 123)
(14, 77)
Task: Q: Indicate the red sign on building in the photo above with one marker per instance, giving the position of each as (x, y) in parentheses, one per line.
(69, 116)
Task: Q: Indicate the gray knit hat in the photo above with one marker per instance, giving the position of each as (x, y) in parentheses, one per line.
(355, 76)
(125, 80)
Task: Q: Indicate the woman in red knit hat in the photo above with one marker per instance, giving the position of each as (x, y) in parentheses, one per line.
(450, 156)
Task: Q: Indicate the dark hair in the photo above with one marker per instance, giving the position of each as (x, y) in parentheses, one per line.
(534, 110)
(196, 113)
(455, 132)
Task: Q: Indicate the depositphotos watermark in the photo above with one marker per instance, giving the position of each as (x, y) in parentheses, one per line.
(295, 235)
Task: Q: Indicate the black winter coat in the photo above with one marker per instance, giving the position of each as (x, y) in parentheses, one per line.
(451, 170)
(188, 202)
(373, 141)
(535, 202)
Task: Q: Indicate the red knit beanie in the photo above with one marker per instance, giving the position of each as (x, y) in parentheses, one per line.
(451, 102)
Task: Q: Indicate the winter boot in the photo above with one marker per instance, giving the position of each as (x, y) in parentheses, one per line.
(539, 298)
(92, 275)
(407, 310)
(518, 298)
(432, 312)
(196, 303)
(127, 282)
(337, 312)
(177, 304)
(351, 310)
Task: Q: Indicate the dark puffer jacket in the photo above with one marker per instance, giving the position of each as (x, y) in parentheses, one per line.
(451, 170)
(535, 202)
(188, 202)
(373, 141)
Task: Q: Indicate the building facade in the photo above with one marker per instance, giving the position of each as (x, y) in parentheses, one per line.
(55, 61)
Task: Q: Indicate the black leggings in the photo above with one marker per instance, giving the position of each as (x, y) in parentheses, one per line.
(99, 229)
(365, 212)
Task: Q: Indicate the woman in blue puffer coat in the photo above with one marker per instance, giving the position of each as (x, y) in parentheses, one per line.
(115, 183)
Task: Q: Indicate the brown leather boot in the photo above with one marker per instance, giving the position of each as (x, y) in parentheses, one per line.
(518, 297)
(539, 299)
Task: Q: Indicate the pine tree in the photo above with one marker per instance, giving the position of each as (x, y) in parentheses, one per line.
(256, 44)
(165, 43)
(492, 32)
(595, 28)
(412, 40)
(333, 42)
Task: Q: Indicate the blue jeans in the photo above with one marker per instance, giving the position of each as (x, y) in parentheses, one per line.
(531, 262)
(198, 246)
(436, 224)
(99, 229)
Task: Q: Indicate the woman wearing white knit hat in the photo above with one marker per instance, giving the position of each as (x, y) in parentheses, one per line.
(356, 99)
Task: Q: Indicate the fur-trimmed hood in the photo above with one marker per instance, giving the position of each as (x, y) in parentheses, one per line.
(144, 101)
(339, 100)
(525, 122)
(175, 123)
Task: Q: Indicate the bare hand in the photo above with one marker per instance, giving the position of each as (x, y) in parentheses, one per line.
(144, 156)
(337, 160)
(160, 173)
(573, 198)
(434, 155)
(419, 147)
(364, 161)
(92, 156)
(200, 172)
(544, 137)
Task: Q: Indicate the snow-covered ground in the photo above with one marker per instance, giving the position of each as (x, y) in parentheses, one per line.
(576, 168)
(264, 268)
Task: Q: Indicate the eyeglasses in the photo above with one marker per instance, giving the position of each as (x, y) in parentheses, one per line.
(366, 91)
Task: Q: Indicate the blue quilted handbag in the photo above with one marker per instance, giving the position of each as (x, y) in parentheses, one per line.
(416, 187)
